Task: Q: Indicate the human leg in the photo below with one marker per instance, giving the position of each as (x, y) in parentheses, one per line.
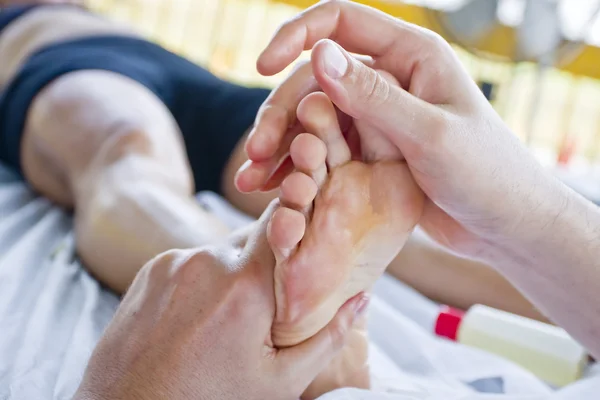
(252, 204)
(456, 281)
(107, 146)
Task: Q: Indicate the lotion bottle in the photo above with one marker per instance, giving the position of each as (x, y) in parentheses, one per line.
(545, 350)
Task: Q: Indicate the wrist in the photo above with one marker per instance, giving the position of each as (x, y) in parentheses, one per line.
(554, 264)
(555, 223)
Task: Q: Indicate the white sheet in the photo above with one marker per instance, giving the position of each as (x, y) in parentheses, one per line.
(52, 313)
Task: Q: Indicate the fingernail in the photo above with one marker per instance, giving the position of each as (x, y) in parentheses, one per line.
(245, 166)
(251, 142)
(361, 306)
(335, 63)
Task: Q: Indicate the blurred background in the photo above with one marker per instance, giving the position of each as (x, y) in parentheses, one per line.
(538, 61)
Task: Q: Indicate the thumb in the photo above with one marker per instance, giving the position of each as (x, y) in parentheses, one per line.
(364, 94)
(257, 248)
(302, 363)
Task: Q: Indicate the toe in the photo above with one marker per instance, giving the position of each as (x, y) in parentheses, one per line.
(318, 115)
(308, 154)
(298, 191)
(267, 134)
(285, 231)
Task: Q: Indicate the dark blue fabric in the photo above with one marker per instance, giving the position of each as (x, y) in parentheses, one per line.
(212, 114)
(9, 14)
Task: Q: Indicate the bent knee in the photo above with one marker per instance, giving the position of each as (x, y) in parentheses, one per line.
(88, 120)
(82, 114)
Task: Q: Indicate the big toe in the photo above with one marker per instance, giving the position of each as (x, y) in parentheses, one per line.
(318, 115)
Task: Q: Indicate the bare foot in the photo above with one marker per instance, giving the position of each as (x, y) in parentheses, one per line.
(340, 224)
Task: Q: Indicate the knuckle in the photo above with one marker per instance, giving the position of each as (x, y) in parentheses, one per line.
(203, 255)
(375, 90)
(435, 40)
(206, 255)
(190, 266)
(169, 256)
(160, 267)
(274, 113)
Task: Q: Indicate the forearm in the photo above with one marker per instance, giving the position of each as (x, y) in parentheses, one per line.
(554, 258)
(455, 281)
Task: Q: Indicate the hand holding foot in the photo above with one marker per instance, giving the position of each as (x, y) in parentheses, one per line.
(208, 313)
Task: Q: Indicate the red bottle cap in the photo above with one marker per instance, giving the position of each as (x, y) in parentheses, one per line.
(448, 322)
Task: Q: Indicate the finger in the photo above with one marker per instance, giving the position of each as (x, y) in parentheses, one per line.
(375, 145)
(391, 79)
(275, 128)
(284, 169)
(357, 28)
(278, 112)
(362, 93)
(302, 363)
(253, 176)
(266, 175)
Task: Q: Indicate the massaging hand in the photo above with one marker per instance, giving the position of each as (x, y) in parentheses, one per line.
(196, 325)
(480, 181)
